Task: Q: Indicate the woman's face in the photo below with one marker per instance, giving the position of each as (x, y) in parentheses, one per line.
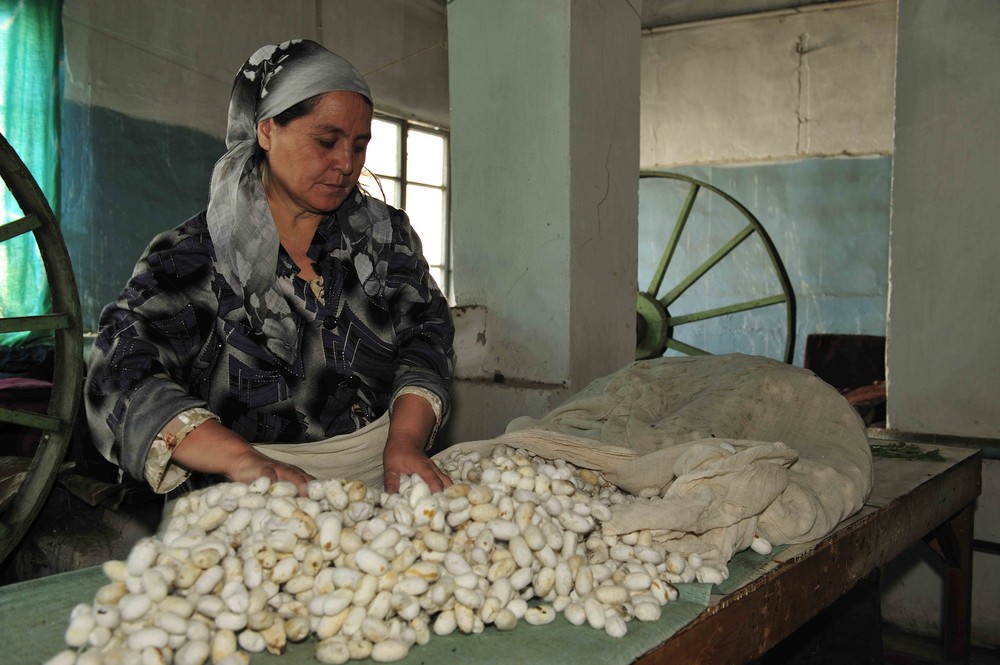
(315, 160)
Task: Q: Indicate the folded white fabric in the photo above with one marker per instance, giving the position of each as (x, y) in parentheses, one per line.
(357, 455)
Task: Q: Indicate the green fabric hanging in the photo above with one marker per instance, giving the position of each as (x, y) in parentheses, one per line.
(30, 48)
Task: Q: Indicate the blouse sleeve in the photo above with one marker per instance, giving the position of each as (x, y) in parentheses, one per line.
(160, 471)
(421, 318)
(139, 371)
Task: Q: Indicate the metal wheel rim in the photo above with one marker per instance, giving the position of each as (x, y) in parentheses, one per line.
(653, 318)
(66, 323)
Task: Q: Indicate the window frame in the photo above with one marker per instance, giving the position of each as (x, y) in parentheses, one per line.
(405, 125)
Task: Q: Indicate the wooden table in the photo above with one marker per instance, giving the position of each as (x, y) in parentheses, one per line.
(910, 501)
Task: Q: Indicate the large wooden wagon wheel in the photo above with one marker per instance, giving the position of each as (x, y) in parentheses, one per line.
(65, 323)
(660, 314)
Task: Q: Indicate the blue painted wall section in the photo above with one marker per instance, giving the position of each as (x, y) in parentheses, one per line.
(829, 221)
(123, 181)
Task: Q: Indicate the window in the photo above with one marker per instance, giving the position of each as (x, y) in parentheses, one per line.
(417, 183)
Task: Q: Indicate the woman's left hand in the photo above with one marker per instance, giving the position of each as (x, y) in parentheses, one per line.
(400, 457)
(410, 426)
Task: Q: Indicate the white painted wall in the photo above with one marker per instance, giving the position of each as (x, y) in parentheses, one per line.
(174, 62)
(944, 306)
(809, 84)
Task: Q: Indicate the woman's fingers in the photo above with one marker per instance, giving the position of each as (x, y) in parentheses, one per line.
(390, 481)
(442, 476)
(295, 475)
(255, 465)
(418, 463)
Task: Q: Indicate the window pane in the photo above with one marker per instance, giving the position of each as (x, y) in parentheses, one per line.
(425, 158)
(438, 275)
(389, 186)
(425, 206)
(383, 150)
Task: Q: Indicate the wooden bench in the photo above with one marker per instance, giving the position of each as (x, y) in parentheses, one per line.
(911, 500)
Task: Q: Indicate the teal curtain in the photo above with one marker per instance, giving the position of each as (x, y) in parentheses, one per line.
(30, 50)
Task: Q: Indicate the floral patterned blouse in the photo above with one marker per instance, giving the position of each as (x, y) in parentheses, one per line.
(177, 338)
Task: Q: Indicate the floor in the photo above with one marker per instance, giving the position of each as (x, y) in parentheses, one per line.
(901, 648)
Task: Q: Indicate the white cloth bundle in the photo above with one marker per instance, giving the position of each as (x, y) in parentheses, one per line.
(737, 445)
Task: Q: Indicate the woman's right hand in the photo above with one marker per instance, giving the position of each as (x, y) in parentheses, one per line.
(213, 448)
(252, 465)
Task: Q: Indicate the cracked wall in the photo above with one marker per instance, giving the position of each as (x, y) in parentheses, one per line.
(812, 84)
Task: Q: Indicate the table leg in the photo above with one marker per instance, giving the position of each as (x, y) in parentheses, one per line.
(953, 541)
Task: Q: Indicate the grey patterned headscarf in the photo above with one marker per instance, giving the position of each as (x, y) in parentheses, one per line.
(275, 78)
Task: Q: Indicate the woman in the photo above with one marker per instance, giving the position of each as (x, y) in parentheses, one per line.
(294, 309)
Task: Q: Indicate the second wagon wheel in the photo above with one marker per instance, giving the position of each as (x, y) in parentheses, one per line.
(65, 323)
(719, 285)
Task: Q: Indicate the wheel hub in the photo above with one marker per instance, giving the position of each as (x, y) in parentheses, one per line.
(652, 327)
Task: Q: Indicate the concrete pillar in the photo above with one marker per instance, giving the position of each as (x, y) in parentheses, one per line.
(942, 354)
(944, 305)
(545, 158)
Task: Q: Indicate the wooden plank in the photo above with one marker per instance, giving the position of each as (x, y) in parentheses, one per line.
(756, 617)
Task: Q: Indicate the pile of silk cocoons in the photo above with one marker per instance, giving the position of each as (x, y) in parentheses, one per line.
(243, 568)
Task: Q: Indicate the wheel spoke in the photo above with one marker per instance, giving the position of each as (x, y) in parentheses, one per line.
(668, 253)
(19, 227)
(709, 263)
(29, 419)
(686, 348)
(645, 347)
(728, 309)
(40, 322)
